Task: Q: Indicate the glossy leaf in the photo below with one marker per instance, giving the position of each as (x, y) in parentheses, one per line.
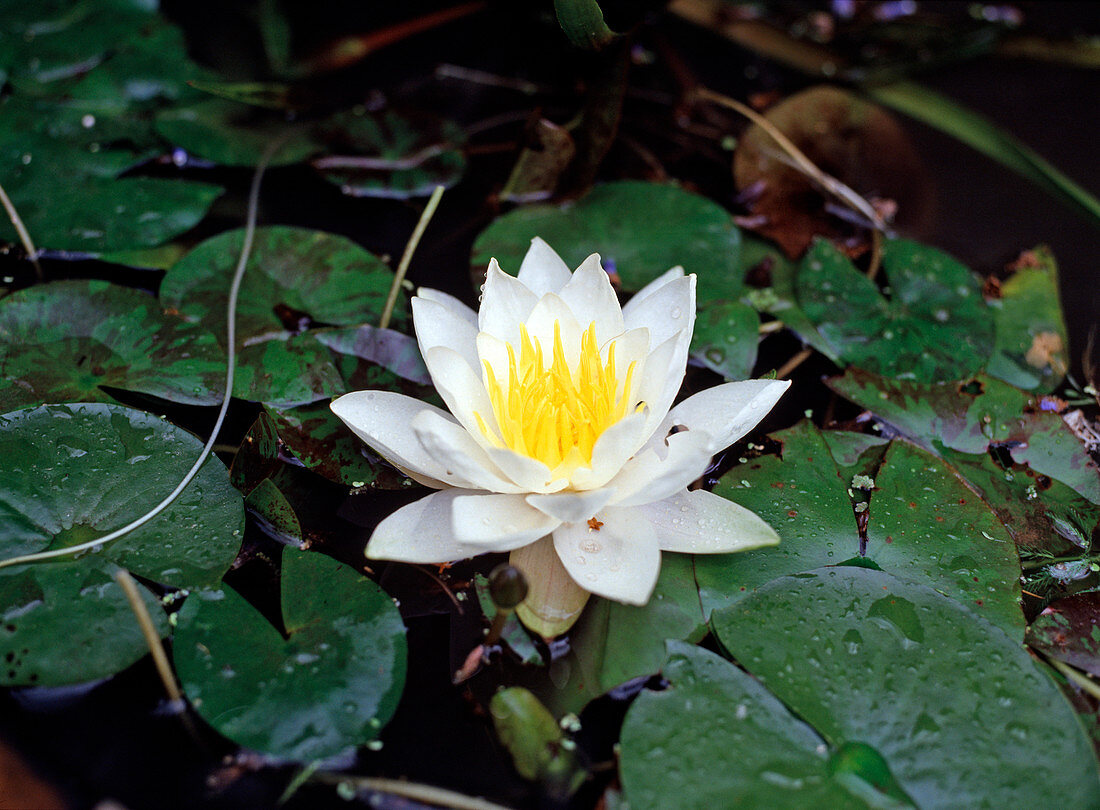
(922, 523)
(639, 229)
(68, 622)
(330, 683)
(1032, 342)
(71, 340)
(75, 472)
(717, 738)
(971, 416)
(725, 338)
(934, 326)
(863, 656)
(526, 728)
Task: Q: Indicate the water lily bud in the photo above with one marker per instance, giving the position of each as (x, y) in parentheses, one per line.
(507, 586)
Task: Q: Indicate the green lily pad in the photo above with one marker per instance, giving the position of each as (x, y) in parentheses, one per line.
(296, 278)
(74, 472)
(45, 41)
(639, 229)
(329, 682)
(234, 134)
(725, 338)
(390, 155)
(779, 298)
(278, 518)
(921, 523)
(68, 622)
(971, 416)
(70, 340)
(935, 325)
(863, 656)
(1032, 343)
(674, 745)
(1069, 631)
(99, 215)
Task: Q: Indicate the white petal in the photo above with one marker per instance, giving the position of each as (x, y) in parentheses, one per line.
(383, 419)
(420, 532)
(611, 451)
(548, 312)
(495, 351)
(554, 601)
(458, 308)
(571, 507)
(592, 299)
(652, 287)
(631, 346)
(665, 311)
(461, 388)
(727, 412)
(448, 443)
(505, 303)
(657, 472)
(661, 377)
(619, 561)
(700, 522)
(437, 325)
(529, 474)
(499, 522)
(543, 270)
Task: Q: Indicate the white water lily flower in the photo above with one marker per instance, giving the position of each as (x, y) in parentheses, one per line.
(561, 445)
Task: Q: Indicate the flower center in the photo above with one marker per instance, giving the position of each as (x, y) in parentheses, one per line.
(555, 412)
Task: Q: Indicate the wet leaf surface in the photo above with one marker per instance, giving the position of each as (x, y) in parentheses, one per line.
(329, 681)
(669, 739)
(934, 325)
(725, 338)
(70, 340)
(922, 523)
(234, 134)
(1067, 630)
(641, 229)
(844, 647)
(74, 472)
(972, 416)
(1032, 342)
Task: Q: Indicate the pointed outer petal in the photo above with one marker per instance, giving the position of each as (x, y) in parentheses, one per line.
(499, 522)
(728, 411)
(571, 507)
(652, 287)
(543, 270)
(459, 309)
(658, 472)
(554, 601)
(661, 377)
(421, 532)
(620, 560)
(452, 447)
(540, 325)
(591, 297)
(528, 474)
(505, 303)
(700, 522)
(436, 325)
(611, 452)
(665, 311)
(383, 419)
(461, 388)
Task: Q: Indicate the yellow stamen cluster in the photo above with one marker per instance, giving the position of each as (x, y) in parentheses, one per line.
(555, 413)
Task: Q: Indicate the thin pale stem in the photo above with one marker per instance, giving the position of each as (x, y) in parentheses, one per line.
(793, 363)
(1077, 677)
(838, 189)
(230, 370)
(440, 797)
(410, 248)
(149, 631)
(24, 234)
